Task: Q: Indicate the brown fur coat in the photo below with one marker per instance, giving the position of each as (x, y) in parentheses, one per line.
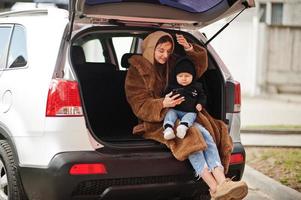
(143, 88)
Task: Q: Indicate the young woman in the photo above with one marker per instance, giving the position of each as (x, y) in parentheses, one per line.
(145, 84)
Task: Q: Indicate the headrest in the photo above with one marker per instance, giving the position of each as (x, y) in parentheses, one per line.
(125, 59)
(77, 55)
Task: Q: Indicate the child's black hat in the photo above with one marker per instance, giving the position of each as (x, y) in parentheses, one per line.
(184, 65)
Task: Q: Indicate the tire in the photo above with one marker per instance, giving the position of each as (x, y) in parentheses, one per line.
(9, 178)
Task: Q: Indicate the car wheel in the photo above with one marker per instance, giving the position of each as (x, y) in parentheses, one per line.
(9, 180)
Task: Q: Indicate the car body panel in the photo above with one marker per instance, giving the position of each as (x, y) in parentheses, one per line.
(30, 128)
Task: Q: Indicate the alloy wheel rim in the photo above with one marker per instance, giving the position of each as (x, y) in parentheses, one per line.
(3, 182)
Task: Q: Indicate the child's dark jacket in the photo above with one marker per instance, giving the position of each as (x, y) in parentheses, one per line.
(193, 94)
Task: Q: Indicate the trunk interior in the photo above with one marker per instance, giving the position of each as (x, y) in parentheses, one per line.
(101, 69)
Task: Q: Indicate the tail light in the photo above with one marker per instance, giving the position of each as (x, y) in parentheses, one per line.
(237, 158)
(233, 97)
(63, 99)
(237, 97)
(86, 169)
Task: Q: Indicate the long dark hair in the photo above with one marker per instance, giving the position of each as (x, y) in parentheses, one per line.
(163, 72)
(164, 39)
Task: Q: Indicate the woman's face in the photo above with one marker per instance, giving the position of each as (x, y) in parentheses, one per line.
(162, 52)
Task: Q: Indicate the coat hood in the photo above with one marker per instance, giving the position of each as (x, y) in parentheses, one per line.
(150, 42)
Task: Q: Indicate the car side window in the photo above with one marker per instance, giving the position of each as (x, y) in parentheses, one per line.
(122, 45)
(4, 41)
(17, 55)
(93, 51)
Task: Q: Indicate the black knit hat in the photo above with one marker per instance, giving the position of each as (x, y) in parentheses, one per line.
(184, 65)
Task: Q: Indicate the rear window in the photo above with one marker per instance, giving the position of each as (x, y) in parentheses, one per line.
(4, 41)
(17, 55)
(195, 6)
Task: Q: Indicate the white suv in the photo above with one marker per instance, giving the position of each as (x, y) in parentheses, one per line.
(65, 125)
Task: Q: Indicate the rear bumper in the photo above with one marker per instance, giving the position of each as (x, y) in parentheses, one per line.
(129, 176)
(140, 176)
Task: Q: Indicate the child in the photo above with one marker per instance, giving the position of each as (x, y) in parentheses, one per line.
(183, 83)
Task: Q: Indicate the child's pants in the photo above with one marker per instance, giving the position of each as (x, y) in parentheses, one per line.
(208, 158)
(172, 115)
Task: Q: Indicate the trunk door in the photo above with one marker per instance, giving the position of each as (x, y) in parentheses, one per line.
(187, 13)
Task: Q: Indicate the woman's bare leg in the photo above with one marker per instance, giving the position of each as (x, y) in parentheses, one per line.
(219, 175)
(209, 179)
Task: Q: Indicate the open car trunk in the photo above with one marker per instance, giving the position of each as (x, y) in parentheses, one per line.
(108, 114)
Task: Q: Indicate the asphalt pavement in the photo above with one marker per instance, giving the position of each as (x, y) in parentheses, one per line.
(271, 110)
(270, 120)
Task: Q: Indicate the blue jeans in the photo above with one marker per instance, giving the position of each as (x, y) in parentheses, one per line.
(172, 115)
(209, 158)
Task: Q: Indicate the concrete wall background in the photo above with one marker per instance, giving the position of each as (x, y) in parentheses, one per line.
(283, 61)
(280, 59)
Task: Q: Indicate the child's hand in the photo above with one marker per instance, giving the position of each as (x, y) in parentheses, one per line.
(182, 41)
(199, 107)
(171, 101)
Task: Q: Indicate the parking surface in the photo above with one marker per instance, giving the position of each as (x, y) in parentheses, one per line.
(264, 188)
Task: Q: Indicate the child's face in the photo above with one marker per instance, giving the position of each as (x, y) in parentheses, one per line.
(184, 78)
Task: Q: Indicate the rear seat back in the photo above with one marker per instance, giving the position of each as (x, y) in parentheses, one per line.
(109, 114)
